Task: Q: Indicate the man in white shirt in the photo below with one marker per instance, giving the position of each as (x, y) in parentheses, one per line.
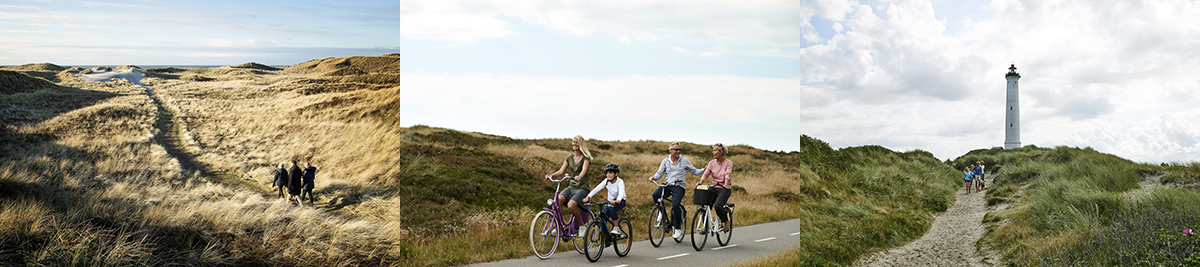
(674, 168)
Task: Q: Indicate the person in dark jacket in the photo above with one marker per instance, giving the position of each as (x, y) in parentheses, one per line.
(281, 178)
(306, 186)
(294, 181)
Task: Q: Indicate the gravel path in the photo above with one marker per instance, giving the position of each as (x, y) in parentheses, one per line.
(949, 242)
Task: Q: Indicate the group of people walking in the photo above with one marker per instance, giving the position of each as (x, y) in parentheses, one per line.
(673, 169)
(973, 177)
(298, 182)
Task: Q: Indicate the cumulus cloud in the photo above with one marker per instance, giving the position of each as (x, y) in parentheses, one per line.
(681, 50)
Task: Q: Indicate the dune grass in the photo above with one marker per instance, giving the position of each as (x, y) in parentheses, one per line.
(1072, 206)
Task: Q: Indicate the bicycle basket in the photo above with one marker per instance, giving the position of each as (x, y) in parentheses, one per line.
(704, 197)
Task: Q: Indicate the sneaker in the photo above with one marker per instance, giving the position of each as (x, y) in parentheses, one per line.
(616, 230)
(678, 234)
(582, 231)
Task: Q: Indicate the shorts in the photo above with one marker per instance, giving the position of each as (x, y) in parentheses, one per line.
(966, 179)
(576, 194)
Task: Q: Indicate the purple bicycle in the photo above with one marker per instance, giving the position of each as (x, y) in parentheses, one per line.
(548, 226)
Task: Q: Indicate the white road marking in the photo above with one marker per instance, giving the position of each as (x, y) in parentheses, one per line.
(674, 256)
(725, 247)
(796, 233)
(622, 265)
(765, 239)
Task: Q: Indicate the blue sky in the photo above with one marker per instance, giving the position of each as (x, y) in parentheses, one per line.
(912, 74)
(154, 32)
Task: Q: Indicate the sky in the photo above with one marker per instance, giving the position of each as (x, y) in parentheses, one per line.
(1121, 77)
(219, 32)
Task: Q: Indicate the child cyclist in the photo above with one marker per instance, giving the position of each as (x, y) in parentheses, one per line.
(616, 194)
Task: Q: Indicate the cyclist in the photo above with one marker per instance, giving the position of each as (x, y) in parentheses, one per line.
(616, 194)
(577, 163)
(674, 168)
(719, 168)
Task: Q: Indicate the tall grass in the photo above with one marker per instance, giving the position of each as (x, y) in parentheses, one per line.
(1072, 206)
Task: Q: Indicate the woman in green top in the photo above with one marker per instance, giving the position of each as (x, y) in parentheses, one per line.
(577, 164)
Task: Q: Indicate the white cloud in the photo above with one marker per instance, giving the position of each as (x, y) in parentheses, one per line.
(681, 50)
(715, 51)
(624, 40)
(448, 21)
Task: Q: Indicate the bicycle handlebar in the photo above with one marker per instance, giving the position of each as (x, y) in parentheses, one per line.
(565, 177)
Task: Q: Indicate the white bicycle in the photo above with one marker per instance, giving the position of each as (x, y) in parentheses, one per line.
(706, 223)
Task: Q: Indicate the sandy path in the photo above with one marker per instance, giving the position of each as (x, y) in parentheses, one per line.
(949, 242)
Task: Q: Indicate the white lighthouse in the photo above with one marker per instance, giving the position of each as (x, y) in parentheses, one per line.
(1012, 118)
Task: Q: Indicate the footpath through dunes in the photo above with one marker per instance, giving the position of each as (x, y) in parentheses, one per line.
(168, 134)
(951, 241)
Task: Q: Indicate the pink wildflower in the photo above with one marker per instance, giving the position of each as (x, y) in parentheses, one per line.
(1189, 232)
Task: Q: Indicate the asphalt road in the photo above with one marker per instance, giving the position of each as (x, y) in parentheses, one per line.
(749, 242)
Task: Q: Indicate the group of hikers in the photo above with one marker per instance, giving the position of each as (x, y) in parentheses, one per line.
(299, 183)
(673, 168)
(973, 177)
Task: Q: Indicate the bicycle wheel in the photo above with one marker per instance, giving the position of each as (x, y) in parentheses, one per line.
(682, 223)
(723, 237)
(593, 241)
(657, 226)
(625, 239)
(699, 224)
(543, 235)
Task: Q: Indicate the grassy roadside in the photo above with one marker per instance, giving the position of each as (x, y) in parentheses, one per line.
(1072, 206)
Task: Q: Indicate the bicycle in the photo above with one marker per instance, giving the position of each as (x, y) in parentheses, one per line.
(549, 225)
(660, 227)
(705, 221)
(598, 236)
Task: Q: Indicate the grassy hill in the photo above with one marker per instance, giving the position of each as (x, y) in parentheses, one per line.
(1071, 206)
(86, 177)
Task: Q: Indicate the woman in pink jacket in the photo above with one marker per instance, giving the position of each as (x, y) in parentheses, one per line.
(719, 168)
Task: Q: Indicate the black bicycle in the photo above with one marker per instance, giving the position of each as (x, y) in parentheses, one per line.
(599, 236)
(660, 222)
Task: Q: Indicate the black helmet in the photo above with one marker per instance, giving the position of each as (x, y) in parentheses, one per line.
(612, 167)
